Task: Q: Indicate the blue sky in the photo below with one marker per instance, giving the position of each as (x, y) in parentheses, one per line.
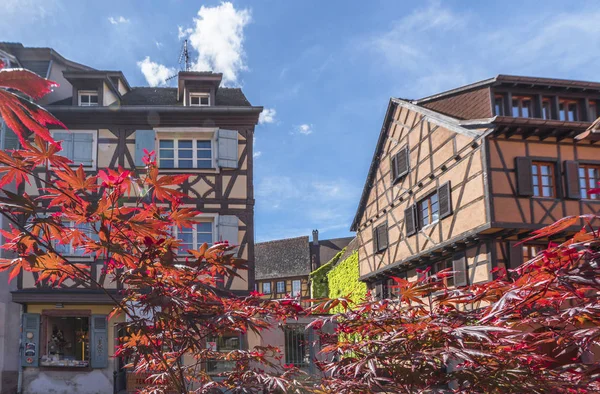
(325, 71)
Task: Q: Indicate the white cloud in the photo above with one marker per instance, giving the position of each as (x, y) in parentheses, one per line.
(305, 129)
(267, 116)
(257, 154)
(218, 37)
(182, 33)
(117, 20)
(159, 44)
(17, 11)
(156, 74)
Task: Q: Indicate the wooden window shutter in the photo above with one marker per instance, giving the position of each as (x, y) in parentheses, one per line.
(144, 139)
(99, 342)
(379, 290)
(375, 246)
(30, 355)
(228, 230)
(524, 177)
(515, 255)
(572, 179)
(382, 237)
(83, 146)
(402, 162)
(445, 199)
(227, 148)
(410, 219)
(394, 167)
(459, 266)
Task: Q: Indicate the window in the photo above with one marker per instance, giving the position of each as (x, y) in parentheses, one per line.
(266, 288)
(185, 153)
(70, 249)
(499, 105)
(296, 288)
(296, 345)
(530, 251)
(442, 265)
(10, 141)
(199, 99)
(521, 106)
(88, 98)
(280, 287)
(400, 164)
(588, 179)
(79, 146)
(543, 179)
(194, 237)
(380, 238)
(428, 210)
(67, 341)
(568, 110)
(546, 109)
(593, 111)
(223, 344)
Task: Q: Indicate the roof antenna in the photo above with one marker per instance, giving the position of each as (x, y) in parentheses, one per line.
(184, 57)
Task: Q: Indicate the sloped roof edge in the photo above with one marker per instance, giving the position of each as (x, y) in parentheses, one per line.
(429, 115)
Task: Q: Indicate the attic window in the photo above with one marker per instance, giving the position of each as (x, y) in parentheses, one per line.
(199, 99)
(88, 98)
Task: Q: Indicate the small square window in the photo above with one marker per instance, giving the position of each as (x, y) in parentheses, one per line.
(199, 99)
(281, 287)
(266, 288)
(296, 288)
(88, 98)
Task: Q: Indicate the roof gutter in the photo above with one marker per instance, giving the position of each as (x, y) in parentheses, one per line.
(157, 108)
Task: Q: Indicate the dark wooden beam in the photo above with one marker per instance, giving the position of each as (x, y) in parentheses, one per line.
(512, 132)
(530, 132)
(567, 134)
(547, 134)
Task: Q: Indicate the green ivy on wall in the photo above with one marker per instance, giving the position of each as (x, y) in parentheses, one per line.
(342, 280)
(318, 278)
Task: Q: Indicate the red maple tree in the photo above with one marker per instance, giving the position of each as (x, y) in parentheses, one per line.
(172, 300)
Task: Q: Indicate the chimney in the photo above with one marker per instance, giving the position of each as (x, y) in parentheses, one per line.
(316, 237)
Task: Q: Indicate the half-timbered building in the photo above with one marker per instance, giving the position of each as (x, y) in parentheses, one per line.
(458, 178)
(198, 128)
(283, 266)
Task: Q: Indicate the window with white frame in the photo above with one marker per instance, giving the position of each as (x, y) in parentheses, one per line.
(296, 288)
(88, 98)
(266, 288)
(199, 99)
(280, 287)
(79, 146)
(84, 230)
(194, 237)
(185, 153)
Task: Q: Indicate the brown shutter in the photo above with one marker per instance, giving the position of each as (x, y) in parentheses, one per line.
(523, 174)
(394, 168)
(382, 237)
(572, 179)
(375, 247)
(445, 200)
(515, 254)
(459, 266)
(410, 220)
(402, 162)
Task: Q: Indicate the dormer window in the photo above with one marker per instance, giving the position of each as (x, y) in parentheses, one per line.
(199, 99)
(521, 107)
(88, 98)
(568, 110)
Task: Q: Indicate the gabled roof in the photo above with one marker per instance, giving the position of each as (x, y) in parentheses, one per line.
(282, 258)
(233, 97)
(431, 116)
(147, 96)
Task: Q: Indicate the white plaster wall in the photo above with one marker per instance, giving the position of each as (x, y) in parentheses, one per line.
(97, 381)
